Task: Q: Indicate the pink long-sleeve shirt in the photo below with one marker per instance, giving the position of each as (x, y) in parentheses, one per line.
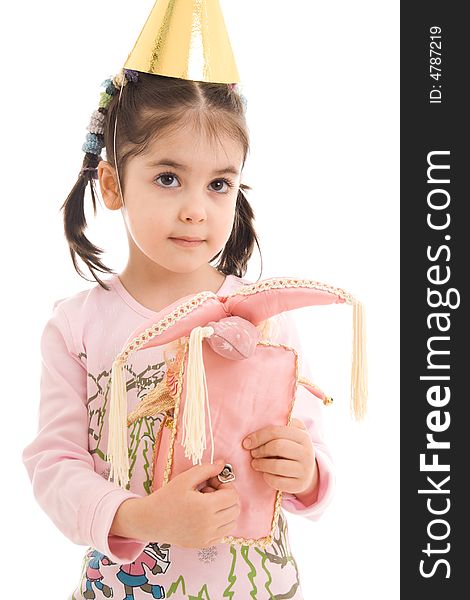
(67, 467)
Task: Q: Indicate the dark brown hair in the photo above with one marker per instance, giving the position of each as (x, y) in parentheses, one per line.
(149, 107)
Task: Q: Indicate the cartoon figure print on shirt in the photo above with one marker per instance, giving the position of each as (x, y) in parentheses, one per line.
(132, 576)
(93, 575)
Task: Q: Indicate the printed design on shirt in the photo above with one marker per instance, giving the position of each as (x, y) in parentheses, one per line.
(278, 556)
(129, 577)
(92, 576)
(141, 447)
(202, 595)
(97, 403)
(232, 578)
(133, 575)
(274, 557)
(142, 432)
(273, 564)
(105, 472)
(207, 555)
(263, 567)
(174, 588)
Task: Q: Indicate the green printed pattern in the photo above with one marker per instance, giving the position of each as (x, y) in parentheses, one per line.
(278, 555)
(231, 577)
(142, 431)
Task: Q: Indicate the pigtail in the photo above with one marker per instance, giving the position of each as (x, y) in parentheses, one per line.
(73, 207)
(75, 221)
(239, 247)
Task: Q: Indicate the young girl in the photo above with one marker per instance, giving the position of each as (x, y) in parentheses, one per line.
(175, 152)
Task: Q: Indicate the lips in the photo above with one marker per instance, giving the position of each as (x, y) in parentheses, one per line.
(187, 242)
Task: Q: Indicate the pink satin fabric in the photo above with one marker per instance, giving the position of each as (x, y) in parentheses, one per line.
(255, 308)
(245, 395)
(233, 338)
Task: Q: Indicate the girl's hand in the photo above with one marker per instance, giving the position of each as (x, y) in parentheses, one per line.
(178, 513)
(286, 457)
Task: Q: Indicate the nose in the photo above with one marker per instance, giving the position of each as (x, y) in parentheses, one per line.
(193, 211)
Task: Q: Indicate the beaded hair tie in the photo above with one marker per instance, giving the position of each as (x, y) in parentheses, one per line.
(93, 169)
(94, 142)
(95, 139)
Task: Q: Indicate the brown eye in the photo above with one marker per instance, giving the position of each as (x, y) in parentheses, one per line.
(219, 182)
(166, 178)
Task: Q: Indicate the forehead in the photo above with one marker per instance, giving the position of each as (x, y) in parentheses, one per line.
(192, 144)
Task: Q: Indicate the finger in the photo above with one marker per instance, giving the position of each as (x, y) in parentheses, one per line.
(278, 466)
(225, 496)
(287, 449)
(199, 473)
(227, 502)
(272, 432)
(217, 484)
(207, 490)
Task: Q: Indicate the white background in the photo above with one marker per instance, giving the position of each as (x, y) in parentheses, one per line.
(321, 79)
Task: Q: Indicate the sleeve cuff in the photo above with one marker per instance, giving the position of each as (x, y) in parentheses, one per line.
(118, 549)
(325, 491)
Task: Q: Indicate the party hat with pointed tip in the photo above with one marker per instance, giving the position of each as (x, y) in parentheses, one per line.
(186, 39)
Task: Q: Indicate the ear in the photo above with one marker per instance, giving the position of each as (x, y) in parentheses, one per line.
(109, 185)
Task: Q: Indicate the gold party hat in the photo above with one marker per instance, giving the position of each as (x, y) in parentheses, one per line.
(186, 39)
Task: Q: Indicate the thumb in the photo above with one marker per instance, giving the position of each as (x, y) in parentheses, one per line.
(201, 473)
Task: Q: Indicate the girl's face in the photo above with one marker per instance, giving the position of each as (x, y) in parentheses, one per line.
(183, 186)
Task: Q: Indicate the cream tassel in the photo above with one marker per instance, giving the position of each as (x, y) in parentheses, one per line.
(194, 418)
(359, 362)
(117, 453)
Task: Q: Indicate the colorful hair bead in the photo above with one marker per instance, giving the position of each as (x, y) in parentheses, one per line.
(93, 144)
(105, 100)
(131, 75)
(110, 87)
(118, 80)
(97, 122)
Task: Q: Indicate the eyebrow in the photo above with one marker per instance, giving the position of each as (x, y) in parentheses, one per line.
(167, 162)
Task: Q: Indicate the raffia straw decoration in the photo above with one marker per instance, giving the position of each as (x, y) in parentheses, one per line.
(117, 452)
(194, 415)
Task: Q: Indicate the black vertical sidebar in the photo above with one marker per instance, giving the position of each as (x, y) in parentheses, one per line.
(434, 331)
